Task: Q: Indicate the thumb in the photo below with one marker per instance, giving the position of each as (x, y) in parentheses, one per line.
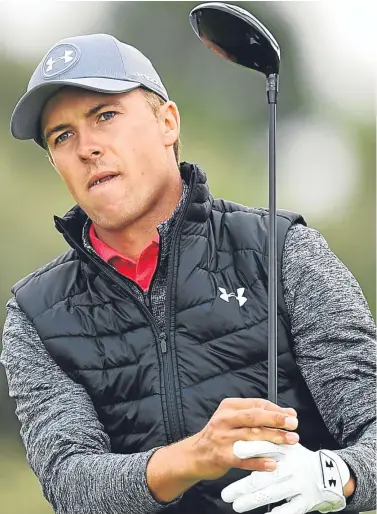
(249, 449)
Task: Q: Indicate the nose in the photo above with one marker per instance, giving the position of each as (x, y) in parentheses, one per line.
(89, 149)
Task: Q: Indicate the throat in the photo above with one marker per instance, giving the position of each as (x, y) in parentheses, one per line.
(125, 243)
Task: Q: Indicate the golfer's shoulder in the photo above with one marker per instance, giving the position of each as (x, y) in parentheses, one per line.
(47, 284)
(19, 339)
(307, 254)
(15, 319)
(59, 265)
(305, 242)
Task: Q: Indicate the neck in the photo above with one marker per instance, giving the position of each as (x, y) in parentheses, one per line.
(132, 240)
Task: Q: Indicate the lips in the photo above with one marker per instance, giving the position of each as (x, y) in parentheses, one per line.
(100, 178)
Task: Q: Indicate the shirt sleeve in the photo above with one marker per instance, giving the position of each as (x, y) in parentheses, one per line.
(66, 445)
(334, 342)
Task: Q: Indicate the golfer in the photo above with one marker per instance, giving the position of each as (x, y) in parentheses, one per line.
(138, 359)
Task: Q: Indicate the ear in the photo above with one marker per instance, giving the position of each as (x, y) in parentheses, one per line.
(171, 122)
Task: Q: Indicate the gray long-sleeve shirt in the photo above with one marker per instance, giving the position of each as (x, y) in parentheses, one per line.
(334, 343)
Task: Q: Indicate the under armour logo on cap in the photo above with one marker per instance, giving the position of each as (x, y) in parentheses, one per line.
(59, 60)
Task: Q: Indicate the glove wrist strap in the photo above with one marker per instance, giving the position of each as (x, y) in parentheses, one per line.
(335, 475)
(334, 465)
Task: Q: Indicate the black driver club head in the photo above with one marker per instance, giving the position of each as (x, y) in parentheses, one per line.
(237, 36)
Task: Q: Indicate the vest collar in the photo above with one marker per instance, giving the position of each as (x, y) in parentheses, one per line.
(200, 198)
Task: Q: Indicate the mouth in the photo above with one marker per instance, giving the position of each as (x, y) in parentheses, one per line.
(101, 178)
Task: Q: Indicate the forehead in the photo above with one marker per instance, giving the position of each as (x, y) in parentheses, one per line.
(70, 97)
(76, 101)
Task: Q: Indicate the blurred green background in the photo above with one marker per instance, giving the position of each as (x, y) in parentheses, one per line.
(326, 139)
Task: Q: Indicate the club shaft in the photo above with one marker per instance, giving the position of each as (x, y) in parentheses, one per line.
(272, 260)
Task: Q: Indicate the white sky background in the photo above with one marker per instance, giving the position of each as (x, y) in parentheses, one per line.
(338, 66)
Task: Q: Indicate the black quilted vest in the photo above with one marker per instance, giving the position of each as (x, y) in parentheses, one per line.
(150, 389)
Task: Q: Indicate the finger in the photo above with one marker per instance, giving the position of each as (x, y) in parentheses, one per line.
(264, 464)
(287, 410)
(250, 449)
(239, 488)
(290, 411)
(252, 483)
(273, 435)
(261, 479)
(251, 403)
(266, 496)
(261, 418)
(298, 505)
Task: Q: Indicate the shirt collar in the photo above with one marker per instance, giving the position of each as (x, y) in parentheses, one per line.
(106, 252)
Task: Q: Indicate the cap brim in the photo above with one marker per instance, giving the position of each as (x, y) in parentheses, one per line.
(26, 115)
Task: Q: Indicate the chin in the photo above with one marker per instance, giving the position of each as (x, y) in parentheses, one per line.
(109, 224)
(112, 221)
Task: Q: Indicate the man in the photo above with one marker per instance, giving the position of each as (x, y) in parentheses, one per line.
(138, 359)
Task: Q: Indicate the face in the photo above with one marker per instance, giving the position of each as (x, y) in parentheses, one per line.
(115, 157)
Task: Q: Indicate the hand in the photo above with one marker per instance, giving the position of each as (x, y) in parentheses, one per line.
(235, 419)
(308, 480)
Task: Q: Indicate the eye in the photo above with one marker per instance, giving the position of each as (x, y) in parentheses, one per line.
(106, 116)
(63, 137)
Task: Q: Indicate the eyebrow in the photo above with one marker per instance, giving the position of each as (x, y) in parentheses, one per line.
(91, 112)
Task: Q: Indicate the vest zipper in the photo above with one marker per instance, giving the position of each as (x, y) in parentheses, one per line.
(176, 431)
(162, 338)
(147, 300)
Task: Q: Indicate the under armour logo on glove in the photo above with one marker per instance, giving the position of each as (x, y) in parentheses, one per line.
(307, 480)
(329, 471)
(241, 299)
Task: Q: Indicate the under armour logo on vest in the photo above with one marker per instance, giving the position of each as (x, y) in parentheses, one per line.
(241, 299)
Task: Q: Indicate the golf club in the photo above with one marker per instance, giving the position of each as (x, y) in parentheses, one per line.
(239, 37)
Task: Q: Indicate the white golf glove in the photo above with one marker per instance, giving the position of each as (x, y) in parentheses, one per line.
(308, 480)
